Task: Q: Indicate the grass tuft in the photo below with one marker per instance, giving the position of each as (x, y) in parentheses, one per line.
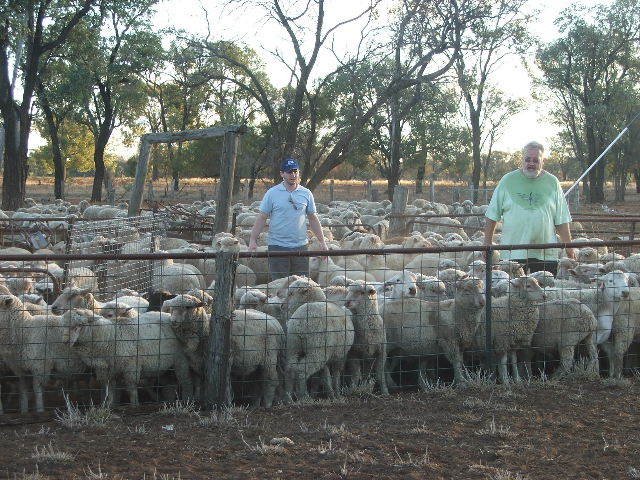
(74, 417)
(49, 453)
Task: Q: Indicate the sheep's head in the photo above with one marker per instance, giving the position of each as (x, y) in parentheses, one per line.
(114, 310)
(76, 320)
(359, 294)
(227, 244)
(528, 288)
(614, 285)
(544, 278)
(72, 297)
(201, 295)
(157, 298)
(470, 291)
(183, 309)
(403, 285)
(300, 292)
(253, 298)
(430, 288)
(18, 285)
(10, 302)
(587, 272)
(512, 268)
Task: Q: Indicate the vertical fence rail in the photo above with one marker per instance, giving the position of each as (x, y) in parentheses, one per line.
(217, 368)
(488, 344)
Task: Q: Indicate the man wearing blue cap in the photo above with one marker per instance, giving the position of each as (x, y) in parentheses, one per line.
(288, 205)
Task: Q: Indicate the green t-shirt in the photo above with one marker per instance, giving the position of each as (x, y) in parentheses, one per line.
(530, 209)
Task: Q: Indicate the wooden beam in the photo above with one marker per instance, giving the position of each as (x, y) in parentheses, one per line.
(186, 135)
(227, 170)
(135, 202)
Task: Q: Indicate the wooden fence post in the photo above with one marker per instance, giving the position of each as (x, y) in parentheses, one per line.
(217, 364)
(227, 169)
(397, 224)
(141, 174)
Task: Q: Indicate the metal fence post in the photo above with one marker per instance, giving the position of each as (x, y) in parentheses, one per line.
(488, 343)
(217, 366)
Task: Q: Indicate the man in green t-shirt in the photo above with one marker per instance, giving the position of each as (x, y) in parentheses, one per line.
(532, 207)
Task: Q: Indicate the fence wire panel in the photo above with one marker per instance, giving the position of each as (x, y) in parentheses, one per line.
(121, 235)
(373, 316)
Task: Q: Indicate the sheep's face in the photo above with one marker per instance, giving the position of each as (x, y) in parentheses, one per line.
(253, 298)
(72, 297)
(614, 285)
(430, 288)
(183, 310)
(403, 285)
(10, 302)
(471, 292)
(544, 278)
(564, 265)
(358, 294)
(112, 311)
(227, 244)
(528, 288)
(586, 273)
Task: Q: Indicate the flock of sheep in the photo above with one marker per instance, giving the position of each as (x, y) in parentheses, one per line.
(356, 318)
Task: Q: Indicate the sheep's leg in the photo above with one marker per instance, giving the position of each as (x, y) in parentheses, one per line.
(336, 377)
(184, 380)
(514, 366)
(592, 353)
(566, 360)
(453, 354)
(38, 381)
(394, 362)
(502, 368)
(24, 394)
(326, 380)
(381, 360)
(355, 372)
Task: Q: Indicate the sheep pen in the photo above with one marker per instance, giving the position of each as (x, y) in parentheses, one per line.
(355, 434)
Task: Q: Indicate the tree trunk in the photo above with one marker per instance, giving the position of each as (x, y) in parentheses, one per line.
(420, 179)
(475, 145)
(636, 176)
(395, 170)
(98, 179)
(16, 169)
(54, 138)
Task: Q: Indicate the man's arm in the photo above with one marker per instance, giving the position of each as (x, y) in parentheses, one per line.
(261, 221)
(316, 228)
(565, 236)
(489, 229)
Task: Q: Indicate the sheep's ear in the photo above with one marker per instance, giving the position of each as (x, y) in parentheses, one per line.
(602, 270)
(371, 291)
(600, 284)
(7, 302)
(573, 272)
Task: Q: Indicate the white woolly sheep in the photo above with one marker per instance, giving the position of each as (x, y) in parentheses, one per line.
(132, 351)
(562, 325)
(370, 341)
(514, 319)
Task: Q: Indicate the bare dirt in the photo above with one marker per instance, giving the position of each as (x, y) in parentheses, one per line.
(544, 430)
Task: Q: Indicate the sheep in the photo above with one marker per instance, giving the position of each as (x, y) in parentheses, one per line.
(369, 334)
(156, 298)
(604, 300)
(33, 344)
(544, 278)
(451, 277)
(514, 319)
(257, 342)
(586, 272)
(176, 277)
(514, 269)
(130, 350)
(458, 320)
(319, 337)
(562, 325)
(75, 297)
(564, 265)
(326, 269)
(34, 303)
(625, 329)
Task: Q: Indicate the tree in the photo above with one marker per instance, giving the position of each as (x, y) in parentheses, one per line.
(29, 31)
(588, 69)
(121, 48)
(486, 44)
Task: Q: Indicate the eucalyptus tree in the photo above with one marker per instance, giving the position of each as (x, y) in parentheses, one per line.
(108, 67)
(29, 31)
(588, 69)
(489, 40)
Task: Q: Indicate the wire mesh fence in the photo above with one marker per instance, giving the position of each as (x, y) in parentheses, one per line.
(369, 317)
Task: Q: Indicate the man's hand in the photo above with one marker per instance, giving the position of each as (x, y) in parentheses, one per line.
(253, 245)
(571, 253)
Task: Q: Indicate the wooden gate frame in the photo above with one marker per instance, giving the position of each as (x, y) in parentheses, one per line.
(231, 136)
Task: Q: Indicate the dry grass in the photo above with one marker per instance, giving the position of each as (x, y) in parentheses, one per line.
(495, 430)
(74, 417)
(49, 453)
(180, 408)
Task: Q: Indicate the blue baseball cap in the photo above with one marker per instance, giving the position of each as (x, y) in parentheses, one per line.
(289, 164)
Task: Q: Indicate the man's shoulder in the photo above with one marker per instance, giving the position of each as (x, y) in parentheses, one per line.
(275, 188)
(304, 189)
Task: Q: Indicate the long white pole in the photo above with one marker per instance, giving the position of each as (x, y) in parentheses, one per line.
(615, 140)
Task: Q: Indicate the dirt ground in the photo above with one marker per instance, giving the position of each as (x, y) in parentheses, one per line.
(543, 430)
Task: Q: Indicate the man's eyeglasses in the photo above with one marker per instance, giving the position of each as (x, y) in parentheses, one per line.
(293, 204)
